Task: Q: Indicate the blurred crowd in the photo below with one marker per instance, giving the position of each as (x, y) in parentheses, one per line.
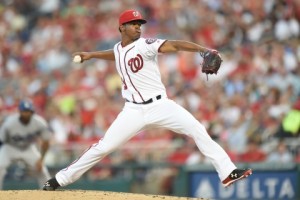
(253, 100)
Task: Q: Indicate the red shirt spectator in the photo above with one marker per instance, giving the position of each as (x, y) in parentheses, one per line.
(179, 156)
(253, 153)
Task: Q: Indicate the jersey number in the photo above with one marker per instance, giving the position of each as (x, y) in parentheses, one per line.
(136, 63)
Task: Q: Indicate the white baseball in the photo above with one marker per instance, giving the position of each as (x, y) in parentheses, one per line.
(77, 59)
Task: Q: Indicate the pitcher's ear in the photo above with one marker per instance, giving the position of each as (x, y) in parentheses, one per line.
(122, 27)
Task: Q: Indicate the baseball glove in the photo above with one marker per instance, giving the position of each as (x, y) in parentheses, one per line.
(211, 62)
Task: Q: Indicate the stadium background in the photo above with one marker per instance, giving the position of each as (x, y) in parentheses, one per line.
(251, 107)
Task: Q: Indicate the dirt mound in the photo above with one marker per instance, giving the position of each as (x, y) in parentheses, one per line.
(80, 195)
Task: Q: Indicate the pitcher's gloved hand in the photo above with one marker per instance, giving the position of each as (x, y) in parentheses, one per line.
(211, 62)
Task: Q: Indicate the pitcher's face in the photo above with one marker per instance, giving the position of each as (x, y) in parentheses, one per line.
(132, 30)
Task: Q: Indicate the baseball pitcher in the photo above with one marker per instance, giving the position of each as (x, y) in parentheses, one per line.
(19, 134)
(146, 102)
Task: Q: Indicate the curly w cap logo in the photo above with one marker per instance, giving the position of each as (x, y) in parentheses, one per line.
(135, 13)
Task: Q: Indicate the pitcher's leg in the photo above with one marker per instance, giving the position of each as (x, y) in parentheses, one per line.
(178, 119)
(212, 150)
(127, 124)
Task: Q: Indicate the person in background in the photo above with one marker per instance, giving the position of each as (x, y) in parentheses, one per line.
(280, 154)
(253, 153)
(19, 134)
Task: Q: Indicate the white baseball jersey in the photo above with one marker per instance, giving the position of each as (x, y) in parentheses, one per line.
(138, 68)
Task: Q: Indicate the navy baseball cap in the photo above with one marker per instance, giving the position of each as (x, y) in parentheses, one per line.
(26, 105)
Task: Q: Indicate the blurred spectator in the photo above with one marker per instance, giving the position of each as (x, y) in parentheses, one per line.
(236, 136)
(290, 125)
(196, 157)
(179, 156)
(297, 158)
(253, 153)
(280, 154)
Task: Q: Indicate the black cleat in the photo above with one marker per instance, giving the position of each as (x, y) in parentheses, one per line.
(51, 185)
(236, 175)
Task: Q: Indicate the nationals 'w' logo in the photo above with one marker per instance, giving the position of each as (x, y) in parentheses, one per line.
(136, 63)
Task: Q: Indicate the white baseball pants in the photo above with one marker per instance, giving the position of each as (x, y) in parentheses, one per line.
(163, 113)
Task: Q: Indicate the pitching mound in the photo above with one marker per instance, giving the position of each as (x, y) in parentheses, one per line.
(80, 195)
